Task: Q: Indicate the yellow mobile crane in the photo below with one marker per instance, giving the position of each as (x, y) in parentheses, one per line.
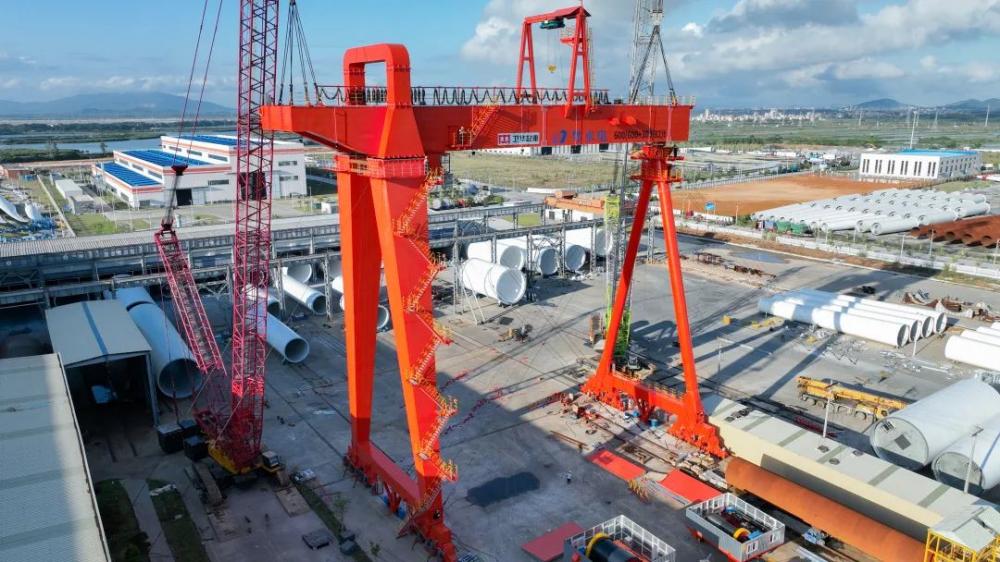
(864, 404)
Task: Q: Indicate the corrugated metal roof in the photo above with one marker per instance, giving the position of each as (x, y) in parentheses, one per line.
(974, 527)
(83, 332)
(47, 509)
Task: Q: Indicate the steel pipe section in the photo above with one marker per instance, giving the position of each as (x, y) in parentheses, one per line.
(914, 327)
(174, 368)
(507, 255)
(889, 333)
(304, 294)
(894, 226)
(981, 450)
(922, 325)
(583, 237)
(383, 318)
(285, 341)
(869, 535)
(972, 352)
(506, 285)
(544, 259)
(939, 319)
(301, 272)
(132, 296)
(917, 434)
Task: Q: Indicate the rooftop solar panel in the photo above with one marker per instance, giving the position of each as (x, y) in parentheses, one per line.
(211, 139)
(164, 158)
(128, 176)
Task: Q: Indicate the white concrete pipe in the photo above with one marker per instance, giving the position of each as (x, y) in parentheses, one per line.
(174, 369)
(273, 304)
(925, 324)
(934, 217)
(544, 258)
(917, 434)
(993, 330)
(383, 318)
(507, 255)
(574, 256)
(506, 285)
(917, 326)
(989, 339)
(952, 466)
(285, 341)
(301, 272)
(879, 331)
(971, 352)
(304, 294)
(582, 237)
(939, 319)
(894, 226)
(972, 210)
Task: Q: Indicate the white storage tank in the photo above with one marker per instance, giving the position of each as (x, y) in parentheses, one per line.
(917, 434)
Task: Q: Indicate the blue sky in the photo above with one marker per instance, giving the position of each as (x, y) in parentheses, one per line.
(727, 53)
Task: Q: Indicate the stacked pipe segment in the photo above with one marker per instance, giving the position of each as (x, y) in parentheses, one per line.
(926, 323)
(889, 333)
(544, 259)
(285, 341)
(600, 240)
(574, 256)
(939, 319)
(972, 352)
(174, 368)
(506, 255)
(917, 434)
(381, 321)
(493, 280)
(914, 327)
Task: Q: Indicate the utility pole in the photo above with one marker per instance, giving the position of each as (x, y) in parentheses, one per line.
(972, 456)
(913, 129)
(987, 124)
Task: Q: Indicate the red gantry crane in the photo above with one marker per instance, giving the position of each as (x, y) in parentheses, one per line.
(391, 140)
(229, 408)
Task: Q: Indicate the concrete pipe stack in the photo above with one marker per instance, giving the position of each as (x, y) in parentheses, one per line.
(174, 369)
(505, 284)
(880, 212)
(881, 322)
(979, 348)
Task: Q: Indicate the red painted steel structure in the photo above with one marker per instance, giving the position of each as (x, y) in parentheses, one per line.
(578, 42)
(390, 150)
(229, 408)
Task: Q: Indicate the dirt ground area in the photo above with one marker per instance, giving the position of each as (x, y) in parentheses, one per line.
(746, 198)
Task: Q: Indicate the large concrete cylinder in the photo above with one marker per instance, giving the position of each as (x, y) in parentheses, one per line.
(174, 369)
(506, 254)
(601, 242)
(304, 294)
(984, 337)
(870, 536)
(132, 296)
(301, 272)
(939, 319)
(292, 347)
(894, 225)
(972, 352)
(544, 258)
(952, 466)
(914, 436)
(493, 280)
(889, 333)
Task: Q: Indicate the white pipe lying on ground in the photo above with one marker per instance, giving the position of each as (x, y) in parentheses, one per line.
(582, 237)
(939, 319)
(894, 226)
(982, 338)
(914, 327)
(970, 352)
(304, 294)
(544, 259)
(507, 255)
(285, 341)
(493, 280)
(925, 324)
(879, 331)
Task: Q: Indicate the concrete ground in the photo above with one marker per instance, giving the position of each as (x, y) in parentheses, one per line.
(499, 433)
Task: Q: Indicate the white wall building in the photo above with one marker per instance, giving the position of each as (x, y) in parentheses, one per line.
(68, 188)
(139, 176)
(920, 164)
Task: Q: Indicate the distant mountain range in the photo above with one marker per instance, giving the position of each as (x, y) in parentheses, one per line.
(889, 104)
(127, 104)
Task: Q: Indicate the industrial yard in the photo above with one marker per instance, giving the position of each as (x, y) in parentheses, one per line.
(388, 321)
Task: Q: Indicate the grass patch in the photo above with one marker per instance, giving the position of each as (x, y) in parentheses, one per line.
(181, 533)
(527, 220)
(91, 224)
(126, 541)
(329, 518)
(960, 185)
(523, 172)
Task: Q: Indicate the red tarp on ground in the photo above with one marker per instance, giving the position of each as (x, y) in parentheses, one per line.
(616, 465)
(550, 545)
(687, 487)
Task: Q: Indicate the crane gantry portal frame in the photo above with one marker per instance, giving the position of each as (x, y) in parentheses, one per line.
(391, 140)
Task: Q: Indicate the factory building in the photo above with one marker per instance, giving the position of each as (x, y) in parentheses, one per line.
(142, 177)
(920, 164)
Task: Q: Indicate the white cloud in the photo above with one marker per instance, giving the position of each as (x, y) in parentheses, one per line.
(9, 83)
(693, 29)
(168, 83)
(866, 68)
(928, 62)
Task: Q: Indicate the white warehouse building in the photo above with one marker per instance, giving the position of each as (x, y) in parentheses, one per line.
(142, 177)
(920, 164)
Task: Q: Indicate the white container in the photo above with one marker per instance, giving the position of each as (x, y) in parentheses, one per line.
(506, 285)
(917, 434)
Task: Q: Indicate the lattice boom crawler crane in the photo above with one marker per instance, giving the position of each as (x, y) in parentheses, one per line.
(390, 141)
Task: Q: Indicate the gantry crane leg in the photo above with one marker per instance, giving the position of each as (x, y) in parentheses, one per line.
(610, 386)
(384, 219)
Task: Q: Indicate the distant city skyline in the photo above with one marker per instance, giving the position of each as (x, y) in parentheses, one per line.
(727, 53)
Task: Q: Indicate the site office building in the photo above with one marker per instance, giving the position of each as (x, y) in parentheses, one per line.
(920, 164)
(139, 177)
